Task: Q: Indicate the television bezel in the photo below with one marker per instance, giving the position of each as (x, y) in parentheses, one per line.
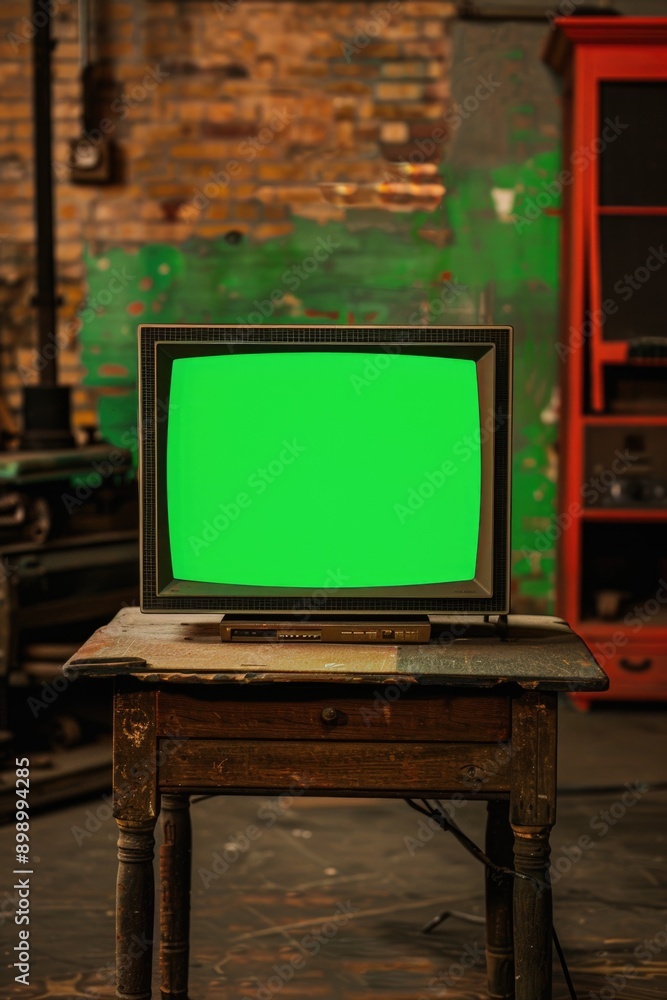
(163, 596)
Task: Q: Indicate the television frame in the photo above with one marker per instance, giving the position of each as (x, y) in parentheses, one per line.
(490, 345)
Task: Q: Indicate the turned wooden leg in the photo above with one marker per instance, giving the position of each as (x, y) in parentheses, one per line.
(499, 890)
(532, 814)
(135, 811)
(175, 855)
(135, 895)
(532, 914)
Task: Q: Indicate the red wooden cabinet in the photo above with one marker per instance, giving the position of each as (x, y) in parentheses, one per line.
(612, 519)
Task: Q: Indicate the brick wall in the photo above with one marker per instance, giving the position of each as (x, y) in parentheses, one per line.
(232, 119)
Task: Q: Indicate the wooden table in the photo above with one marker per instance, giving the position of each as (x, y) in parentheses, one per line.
(471, 715)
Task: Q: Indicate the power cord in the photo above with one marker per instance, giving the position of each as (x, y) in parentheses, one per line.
(449, 826)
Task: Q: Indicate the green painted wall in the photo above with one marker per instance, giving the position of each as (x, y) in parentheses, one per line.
(391, 269)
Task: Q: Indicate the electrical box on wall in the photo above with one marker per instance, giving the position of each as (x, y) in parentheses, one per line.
(92, 162)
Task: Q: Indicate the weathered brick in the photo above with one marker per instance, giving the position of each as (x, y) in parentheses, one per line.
(408, 111)
(394, 132)
(431, 8)
(349, 87)
(363, 70)
(247, 210)
(402, 91)
(289, 194)
(221, 111)
(217, 210)
(16, 110)
(404, 69)
(426, 48)
(69, 251)
(277, 171)
(353, 98)
(233, 129)
(382, 50)
(213, 151)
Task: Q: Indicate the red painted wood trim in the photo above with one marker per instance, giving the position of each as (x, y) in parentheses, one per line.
(570, 32)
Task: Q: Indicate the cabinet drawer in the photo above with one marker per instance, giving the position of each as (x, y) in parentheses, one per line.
(310, 766)
(637, 670)
(293, 712)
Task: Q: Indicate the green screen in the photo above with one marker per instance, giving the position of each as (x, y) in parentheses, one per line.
(323, 469)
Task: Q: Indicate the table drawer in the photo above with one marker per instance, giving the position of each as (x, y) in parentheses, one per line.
(313, 766)
(362, 713)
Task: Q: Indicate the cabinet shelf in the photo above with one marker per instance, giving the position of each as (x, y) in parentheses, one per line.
(632, 209)
(619, 420)
(624, 513)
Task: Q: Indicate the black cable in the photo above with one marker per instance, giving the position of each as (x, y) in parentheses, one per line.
(563, 964)
(449, 826)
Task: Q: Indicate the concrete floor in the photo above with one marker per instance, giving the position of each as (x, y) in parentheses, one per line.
(321, 856)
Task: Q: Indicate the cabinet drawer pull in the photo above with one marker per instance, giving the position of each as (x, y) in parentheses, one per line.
(329, 714)
(636, 666)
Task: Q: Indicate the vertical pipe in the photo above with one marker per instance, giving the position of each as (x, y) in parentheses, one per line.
(43, 181)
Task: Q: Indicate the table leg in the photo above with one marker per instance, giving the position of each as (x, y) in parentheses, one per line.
(135, 894)
(135, 810)
(499, 891)
(175, 867)
(532, 913)
(532, 814)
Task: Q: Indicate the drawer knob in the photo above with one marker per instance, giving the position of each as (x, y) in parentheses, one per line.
(329, 714)
(636, 666)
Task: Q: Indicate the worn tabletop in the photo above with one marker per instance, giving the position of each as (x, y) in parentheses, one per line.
(535, 652)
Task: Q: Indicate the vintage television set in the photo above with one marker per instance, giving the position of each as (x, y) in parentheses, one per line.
(325, 483)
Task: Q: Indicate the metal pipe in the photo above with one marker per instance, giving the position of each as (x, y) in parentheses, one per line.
(45, 299)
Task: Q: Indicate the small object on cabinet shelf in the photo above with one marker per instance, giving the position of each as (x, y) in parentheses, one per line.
(608, 603)
(648, 348)
(630, 491)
